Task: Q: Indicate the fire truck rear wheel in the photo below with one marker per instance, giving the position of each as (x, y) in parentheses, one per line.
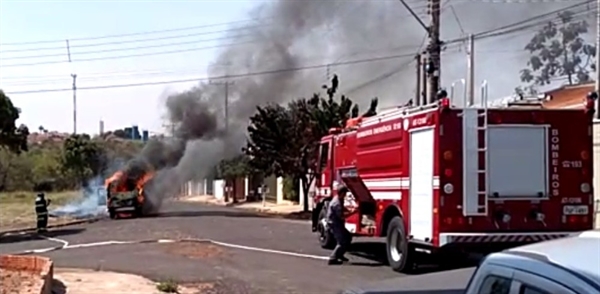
(399, 252)
(326, 239)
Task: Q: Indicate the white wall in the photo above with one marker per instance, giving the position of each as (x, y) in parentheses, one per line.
(597, 170)
(218, 189)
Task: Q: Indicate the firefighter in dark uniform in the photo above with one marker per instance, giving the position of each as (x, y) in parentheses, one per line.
(41, 210)
(336, 219)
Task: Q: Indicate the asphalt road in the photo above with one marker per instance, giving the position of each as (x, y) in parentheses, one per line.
(233, 270)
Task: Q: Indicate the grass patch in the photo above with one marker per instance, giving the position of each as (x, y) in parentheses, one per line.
(18, 208)
(168, 286)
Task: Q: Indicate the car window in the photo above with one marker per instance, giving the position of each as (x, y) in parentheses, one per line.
(495, 285)
(527, 289)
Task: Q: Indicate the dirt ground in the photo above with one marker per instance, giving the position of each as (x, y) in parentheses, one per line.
(81, 281)
(19, 282)
(17, 209)
(194, 250)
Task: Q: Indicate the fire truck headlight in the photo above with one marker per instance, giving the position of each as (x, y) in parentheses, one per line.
(506, 218)
(585, 188)
(448, 189)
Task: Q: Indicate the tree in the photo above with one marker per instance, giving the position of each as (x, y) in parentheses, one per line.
(11, 137)
(558, 50)
(233, 168)
(284, 140)
(82, 157)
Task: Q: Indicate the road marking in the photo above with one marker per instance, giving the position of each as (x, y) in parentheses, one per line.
(64, 242)
(270, 250)
(162, 241)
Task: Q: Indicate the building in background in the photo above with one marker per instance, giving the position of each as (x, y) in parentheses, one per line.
(101, 130)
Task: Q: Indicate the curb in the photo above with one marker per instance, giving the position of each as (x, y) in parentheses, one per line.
(257, 211)
(59, 225)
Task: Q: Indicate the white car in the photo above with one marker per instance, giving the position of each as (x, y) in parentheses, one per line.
(563, 266)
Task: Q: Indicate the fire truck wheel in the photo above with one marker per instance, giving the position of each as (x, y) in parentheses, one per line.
(399, 253)
(326, 239)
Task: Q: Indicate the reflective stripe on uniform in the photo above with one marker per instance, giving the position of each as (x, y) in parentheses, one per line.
(42, 213)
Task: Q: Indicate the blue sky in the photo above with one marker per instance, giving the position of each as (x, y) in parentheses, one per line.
(32, 21)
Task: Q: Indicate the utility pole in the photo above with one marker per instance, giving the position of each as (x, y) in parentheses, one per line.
(471, 74)
(434, 51)
(598, 57)
(418, 85)
(226, 103)
(424, 81)
(74, 76)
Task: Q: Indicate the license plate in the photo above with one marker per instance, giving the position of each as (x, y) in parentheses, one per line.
(575, 209)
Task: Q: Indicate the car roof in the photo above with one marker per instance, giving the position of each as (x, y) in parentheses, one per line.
(579, 253)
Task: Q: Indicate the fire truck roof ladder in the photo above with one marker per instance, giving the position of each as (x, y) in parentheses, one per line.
(403, 110)
(475, 176)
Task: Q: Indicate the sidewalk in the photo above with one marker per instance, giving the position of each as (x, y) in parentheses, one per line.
(289, 209)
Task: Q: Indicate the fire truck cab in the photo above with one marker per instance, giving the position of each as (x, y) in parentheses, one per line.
(437, 178)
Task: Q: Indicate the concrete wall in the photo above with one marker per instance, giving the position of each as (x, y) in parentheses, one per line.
(217, 188)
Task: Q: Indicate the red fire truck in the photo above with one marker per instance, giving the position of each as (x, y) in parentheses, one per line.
(437, 178)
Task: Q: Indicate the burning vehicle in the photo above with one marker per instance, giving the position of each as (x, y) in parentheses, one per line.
(126, 193)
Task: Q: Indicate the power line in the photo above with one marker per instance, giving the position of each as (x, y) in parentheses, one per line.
(55, 48)
(129, 55)
(516, 26)
(128, 48)
(132, 34)
(230, 76)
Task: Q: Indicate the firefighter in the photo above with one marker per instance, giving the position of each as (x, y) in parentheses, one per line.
(41, 210)
(336, 215)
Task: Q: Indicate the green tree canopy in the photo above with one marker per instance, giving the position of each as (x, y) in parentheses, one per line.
(283, 140)
(82, 157)
(12, 137)
(234, 167)
(559, 50)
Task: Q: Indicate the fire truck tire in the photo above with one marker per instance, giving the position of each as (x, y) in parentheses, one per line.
(326, 239)
(400, 253)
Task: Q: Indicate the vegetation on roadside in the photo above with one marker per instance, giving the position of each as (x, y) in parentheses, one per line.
(168, 286)
(17, 208)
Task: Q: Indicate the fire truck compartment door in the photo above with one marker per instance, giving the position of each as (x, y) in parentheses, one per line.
(518, 161)
(421, 184)
(355, 184)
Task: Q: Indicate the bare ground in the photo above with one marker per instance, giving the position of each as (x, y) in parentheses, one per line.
(82, 281)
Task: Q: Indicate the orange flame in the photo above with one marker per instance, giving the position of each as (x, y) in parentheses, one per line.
(115, 177)
(140, 185)
(124, 184)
